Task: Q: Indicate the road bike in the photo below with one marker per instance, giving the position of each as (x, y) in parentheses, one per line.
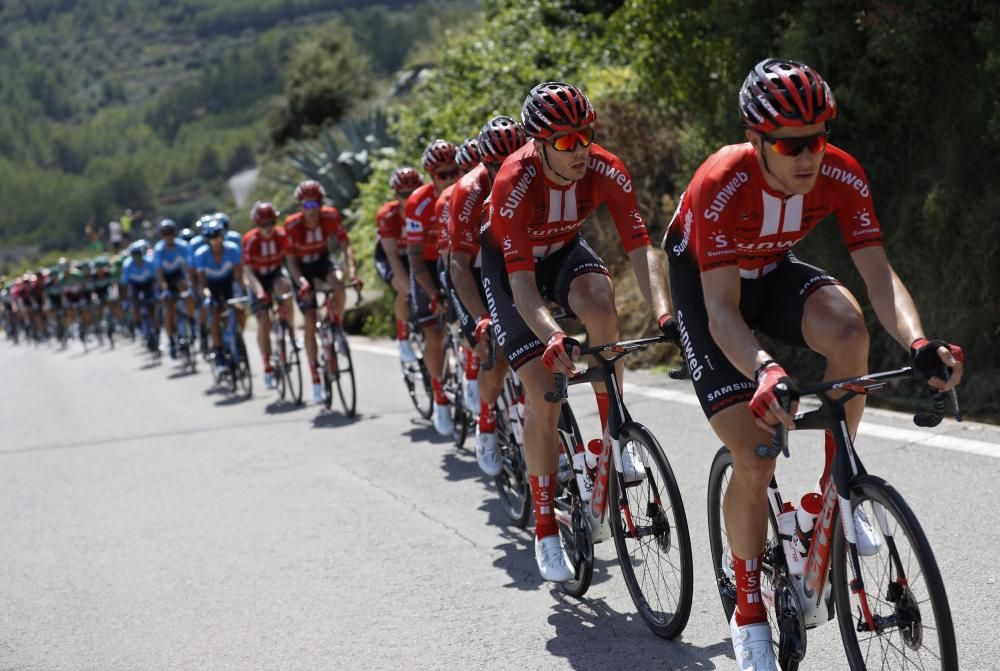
(235, 371)
(646, 514)
(286, 355)
(891, 605)
(334, 360)
(415, 375)
(453, 381)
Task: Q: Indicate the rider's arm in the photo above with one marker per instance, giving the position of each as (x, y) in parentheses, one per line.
(238, 276)
(419, 268)
(294, 268)
(647, 263)
(721, 287)
(465, 284)
(391, 248)
(349, 258)
(250, 279)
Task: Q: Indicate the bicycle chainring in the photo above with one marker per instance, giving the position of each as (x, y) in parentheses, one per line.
(791, 622)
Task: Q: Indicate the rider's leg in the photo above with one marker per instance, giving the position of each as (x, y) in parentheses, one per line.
(264, 337)
(541, 453)
(216, 326)
(592, 299)
(309, 333)
(170, 315)
(744, 506)
(337, 297)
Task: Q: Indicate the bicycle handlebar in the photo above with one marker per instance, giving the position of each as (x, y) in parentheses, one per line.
(617, 349)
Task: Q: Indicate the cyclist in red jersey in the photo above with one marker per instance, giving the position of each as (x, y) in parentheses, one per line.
(391, 261)
(426, 298)
(264, 272)
(499, 137)
(732, 272)
(309, 232)
(532, 251)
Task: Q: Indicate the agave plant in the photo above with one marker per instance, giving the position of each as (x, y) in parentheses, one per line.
(341, 158)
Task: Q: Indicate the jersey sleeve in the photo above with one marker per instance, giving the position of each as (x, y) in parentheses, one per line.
(387, 223)
(508, 221)
(853, 205)
(248, 247)
(713, 232)
(419, 211)
(291, 248)
(466, 212)
(333, 225)
(619, 195)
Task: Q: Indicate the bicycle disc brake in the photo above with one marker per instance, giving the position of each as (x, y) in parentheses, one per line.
(791, 623)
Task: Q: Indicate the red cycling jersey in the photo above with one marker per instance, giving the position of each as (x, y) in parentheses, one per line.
(442, 211)
(531, 217)
(730, 216)
(389, 224)
(421, 223)
(467, 202)
(262, 254)
(309, 244)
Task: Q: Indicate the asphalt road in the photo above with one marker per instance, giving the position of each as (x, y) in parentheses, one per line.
(148, 521)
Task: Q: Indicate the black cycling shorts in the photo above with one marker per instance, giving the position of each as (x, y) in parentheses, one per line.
(554, 274)
(772, 304)
(267, 280)
(316, 272)
(144, 292)
(420, 302)
(466, 321)
(383, 266)
(173, 281)
(221, 290)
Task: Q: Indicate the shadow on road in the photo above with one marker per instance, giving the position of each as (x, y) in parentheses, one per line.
(329, 419)
(459, 466)
(231, 400)
(280, 407)
(423, 431)
(590, 634)
(184, 372)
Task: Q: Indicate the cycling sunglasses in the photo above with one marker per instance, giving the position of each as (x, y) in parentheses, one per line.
(569, 141)
(268, 223)
(447, 174)
(310, 204)
(793, 146)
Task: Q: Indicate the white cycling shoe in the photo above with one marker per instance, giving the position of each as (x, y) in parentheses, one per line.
(553, 563)
(632, 467)
(268, 380)
(869, 540)
(318, 395)
(752, 646)
(442, 419)
(471, 390)
(406, 353)
(487, 453)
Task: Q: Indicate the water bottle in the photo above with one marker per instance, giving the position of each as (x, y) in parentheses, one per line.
(593, 455)
(795, 558)
(805, 519)
(584, 465)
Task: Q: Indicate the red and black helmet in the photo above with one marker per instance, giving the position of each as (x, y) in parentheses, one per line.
(309, 189)
(556, 107)
(499, 138)
(405, 179)
(780, 92)
(263, 211)
(439, 154)
(468, 154)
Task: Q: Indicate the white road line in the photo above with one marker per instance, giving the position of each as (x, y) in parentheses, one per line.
(899, 434)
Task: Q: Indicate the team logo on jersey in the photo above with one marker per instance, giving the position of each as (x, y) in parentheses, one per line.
(725, 194)
(846, 177)
(518, 193)
(614, 174)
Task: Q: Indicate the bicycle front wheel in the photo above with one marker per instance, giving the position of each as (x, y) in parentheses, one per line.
(242, 368)
(292, 363)
(345, 374)
(512, 482)
(651, 536)
(902, 587)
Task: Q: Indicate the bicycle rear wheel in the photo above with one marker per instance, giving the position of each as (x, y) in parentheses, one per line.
(345, 374)
(512, 482)
(243, 368)
(576, 536)
(292, 362)
(418, 379)
(903, 586)
(651, 537)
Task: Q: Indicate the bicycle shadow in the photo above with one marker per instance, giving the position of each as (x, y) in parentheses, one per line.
(183, 372)
(424, 430)
(231, 400)
(458, 467)
(330, 419)
(280, 407)
(589, 634)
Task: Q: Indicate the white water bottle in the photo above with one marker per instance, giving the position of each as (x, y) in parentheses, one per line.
(805, 519)
(789, 541)
(593, 454)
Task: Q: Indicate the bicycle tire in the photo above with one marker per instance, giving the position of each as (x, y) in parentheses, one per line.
(292, 363)
(869, 488)
(245, 379)
(418, 380)
(512, 482)
(722, 464)
(346, 388)
(577, 540)
(670, 538)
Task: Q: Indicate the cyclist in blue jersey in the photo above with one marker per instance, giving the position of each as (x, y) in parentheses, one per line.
(219, 268)
(229, 235)
(170, 256)
(139, 277)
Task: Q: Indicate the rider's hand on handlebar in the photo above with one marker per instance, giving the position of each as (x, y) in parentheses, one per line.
(939, 362)
(304, 288)
(264, 297)
(560, 351)
(357, 282)
(668, 326)
(764, 405)
(482, 336)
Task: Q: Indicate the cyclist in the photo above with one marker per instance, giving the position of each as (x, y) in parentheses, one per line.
(170, 256)
(309, 232)
(139, 277)
(532, 251)
(391, 262)
(263, 253)
(500, 137)
(732, 271)
(426, 297)
(218, 267)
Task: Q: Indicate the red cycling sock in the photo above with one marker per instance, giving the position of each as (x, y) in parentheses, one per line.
(267, 362)
(487, 417)
(543, 488)
(439, 396)
(471, 365)
(749, 605)
(402, 332)
(602, 409)
(314, 372)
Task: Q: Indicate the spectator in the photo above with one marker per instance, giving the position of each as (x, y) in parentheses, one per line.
(115, 237)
